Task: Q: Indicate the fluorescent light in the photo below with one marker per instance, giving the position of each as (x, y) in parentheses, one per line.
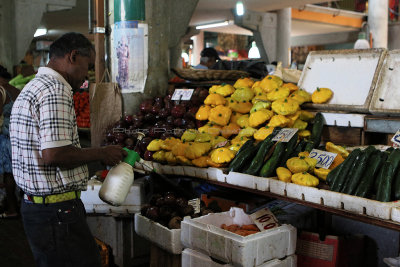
(239, 8)
(40, 32)
(212, 25)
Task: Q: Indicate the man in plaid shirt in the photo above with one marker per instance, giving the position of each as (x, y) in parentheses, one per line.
(49, 164)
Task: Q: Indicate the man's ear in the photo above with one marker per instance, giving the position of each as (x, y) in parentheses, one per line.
(72, 56)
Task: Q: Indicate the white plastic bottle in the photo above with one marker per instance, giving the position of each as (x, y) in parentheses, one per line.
(119, 180)
(362, 42)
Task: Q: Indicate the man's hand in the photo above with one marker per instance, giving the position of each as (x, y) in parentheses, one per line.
(113, 155)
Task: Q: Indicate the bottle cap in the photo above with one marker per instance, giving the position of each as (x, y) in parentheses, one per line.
(132, 157)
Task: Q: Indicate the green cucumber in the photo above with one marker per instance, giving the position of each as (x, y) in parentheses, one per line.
(385, 186)
(394, 158)
(340, 179)
(316, 131)
(374, 164)
(332, 175)
(289, 149)
(396, 186)
(356, 173)
(258, 160)
(237, 162)
(272, 163)
(384, 156)
(299, 148)
(310, 145)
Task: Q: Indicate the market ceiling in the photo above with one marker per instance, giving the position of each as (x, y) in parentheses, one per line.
(207, 11)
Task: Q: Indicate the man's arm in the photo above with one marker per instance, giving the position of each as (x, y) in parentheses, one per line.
(71, 157)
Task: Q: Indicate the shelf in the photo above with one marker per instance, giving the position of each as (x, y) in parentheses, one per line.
(351, 215)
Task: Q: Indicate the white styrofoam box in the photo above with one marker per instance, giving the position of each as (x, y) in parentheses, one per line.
(277, 187)
(132, 204)
(385, 98)
(189, 171)
(205, 235)
(369, 207)
(344, 119)
(215, 174)
(144, 165)
(350, 74)
(306, 193)
(395, 213)
(248, 181)
(193, 258)
(202, 173)
(332, 199)
(168, 239)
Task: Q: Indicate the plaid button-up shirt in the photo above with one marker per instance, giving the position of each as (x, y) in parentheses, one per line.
(42, 117)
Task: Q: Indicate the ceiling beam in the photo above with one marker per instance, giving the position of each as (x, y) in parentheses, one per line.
(324, 39)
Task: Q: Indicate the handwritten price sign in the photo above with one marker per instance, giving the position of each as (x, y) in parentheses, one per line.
(182, 94)
(396, 139)
(285, 134)
(264, 219)
(324, 159)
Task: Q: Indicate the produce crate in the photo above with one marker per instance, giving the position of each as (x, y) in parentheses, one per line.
(193, 258)
(351, 75)
(247, 181)
(132, 204)
(167, 239)
(331, 252)
(205, 235)
(385, 98)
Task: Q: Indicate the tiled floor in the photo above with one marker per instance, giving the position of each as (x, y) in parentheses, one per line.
(14, 247)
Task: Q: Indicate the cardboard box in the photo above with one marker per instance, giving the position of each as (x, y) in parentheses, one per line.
(331, 252)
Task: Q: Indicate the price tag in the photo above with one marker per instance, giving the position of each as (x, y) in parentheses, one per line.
(195, 203)
(324, 158)
(396, 139)
(285, 134)
(221, 144)
(264, 219)
(182, 94)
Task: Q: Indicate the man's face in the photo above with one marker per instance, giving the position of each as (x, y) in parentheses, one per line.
(79, 70)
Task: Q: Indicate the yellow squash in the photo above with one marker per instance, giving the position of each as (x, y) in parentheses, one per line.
(299, 124)
(248, 132)
(300, 96)
(169, 143)
(202, 138)
(278, 93)
(234, 116)
(230, 129)
(218, 140)
(260, 105)
(306, 116)
(278, 121)
(220, 115)
(170, 158)
(244, 82)
(155, 145)
(297, 164)
(214, 99)
(239, 140)
(270, 83)
(284, 174)
(321, 173)
(285, 106)
(211, 129)
(241, 107)
(292, 87)
(260, 97)
(203, 113)
(159, 156)
(195, 150)
(321, 95)
(222, 155)
(200, 162)
(331, 147)
(179, 149)
(263, 133)
(304, 178)
(243, 121)
(183, 160)
(243, 94)
(259, 117)
(225, 90)
(189, 135)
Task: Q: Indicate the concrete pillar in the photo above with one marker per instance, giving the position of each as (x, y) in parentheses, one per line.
(19, 20)
(167, 25)
(198, 46)
(284, 17)
(378, 22)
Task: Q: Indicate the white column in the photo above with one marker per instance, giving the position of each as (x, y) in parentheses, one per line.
(283, 35)
(378, 22)
(198, 45)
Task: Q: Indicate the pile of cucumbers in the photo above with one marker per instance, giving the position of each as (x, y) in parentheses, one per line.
(368, 173)
(263, 158)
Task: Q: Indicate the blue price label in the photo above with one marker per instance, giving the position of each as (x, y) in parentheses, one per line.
(324, 158)
(396, 138)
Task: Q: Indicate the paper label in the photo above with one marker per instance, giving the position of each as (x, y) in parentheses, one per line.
(221, 144)
(324, 158)
(396, 139)
(182, 94)
(264, 219)
(195, 203)
(285, 134)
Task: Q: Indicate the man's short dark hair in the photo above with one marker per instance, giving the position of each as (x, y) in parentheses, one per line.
(209, 52)
(71, 41)
(4, 73)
